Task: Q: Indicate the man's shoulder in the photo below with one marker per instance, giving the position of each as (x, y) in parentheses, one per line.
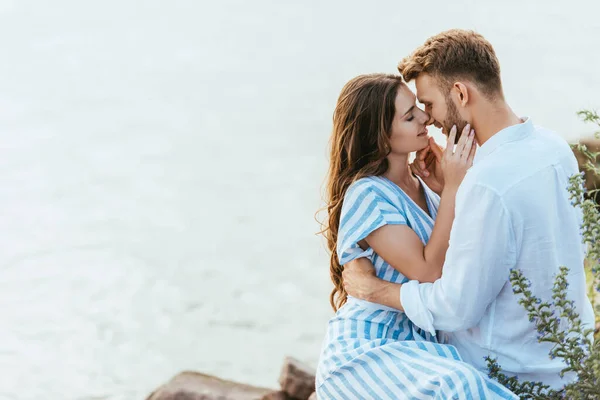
(517, 160)
(556, 148)
(552, 137)
(495, 172)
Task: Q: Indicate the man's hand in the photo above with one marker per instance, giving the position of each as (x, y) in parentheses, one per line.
(360, 282)
(359, 279)
(428, 166)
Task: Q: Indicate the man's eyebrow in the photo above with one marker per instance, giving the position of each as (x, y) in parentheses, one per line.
(409, 110)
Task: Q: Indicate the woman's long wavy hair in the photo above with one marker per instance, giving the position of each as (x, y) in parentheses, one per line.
(360, 144)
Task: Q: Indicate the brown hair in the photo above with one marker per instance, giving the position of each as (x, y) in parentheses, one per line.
(456, 54)
(360, 144)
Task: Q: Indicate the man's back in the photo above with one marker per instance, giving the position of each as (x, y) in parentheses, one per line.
(528, 170)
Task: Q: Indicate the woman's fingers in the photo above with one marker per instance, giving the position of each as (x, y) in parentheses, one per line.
(468, 145)
(451, 140)
(472, 153)
(416, 168)
(421, 155)
(418, 171)
(437, 151)
(464, 137)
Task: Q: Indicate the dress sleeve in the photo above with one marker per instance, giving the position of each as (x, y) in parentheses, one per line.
(366, 208)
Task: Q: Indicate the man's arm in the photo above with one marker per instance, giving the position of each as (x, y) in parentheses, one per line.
(478, 262)
(482, 251)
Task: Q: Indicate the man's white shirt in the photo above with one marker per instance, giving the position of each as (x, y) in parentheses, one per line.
(513, 210)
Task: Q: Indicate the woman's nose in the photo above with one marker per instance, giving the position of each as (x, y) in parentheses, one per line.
(427, 112)
(428, 118)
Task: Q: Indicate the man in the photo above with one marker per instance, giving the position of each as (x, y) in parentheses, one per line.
(512, 211)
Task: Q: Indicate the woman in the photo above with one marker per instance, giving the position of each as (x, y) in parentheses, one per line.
(374, 203)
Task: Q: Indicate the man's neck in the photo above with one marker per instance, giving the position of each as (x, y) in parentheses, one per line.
(494, 118)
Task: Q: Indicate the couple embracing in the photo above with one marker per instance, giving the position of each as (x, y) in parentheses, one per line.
(421, 252)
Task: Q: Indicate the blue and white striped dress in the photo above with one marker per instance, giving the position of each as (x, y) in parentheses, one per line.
(375, 352)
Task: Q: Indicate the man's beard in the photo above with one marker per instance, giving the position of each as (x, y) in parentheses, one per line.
(453, 118)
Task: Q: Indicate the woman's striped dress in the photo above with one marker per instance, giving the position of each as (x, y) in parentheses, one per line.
(375, 352)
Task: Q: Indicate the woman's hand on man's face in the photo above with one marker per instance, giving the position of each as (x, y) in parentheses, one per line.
(458, 159)
(428, 166)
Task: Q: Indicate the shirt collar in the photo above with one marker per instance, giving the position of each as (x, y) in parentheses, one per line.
(506, 135)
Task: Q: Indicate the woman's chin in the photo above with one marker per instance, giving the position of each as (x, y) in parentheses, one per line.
(424, 144)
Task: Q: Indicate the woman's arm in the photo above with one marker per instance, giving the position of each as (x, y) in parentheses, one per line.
(400, 246)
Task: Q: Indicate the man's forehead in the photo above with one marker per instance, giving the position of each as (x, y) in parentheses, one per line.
(424, 85)
(424, 78)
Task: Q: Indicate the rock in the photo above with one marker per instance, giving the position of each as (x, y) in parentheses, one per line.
(196, 386)
(278, 395)
(297, 379)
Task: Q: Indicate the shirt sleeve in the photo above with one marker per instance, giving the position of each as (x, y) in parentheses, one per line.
(478, 262)
(366, 208)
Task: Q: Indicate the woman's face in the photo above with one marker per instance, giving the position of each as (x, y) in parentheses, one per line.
(409, 127)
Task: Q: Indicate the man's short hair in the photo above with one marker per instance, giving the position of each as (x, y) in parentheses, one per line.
(453, 55)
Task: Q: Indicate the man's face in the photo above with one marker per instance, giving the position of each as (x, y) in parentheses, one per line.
(439, 106)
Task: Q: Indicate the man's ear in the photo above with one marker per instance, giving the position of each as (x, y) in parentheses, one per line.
(461, 92)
